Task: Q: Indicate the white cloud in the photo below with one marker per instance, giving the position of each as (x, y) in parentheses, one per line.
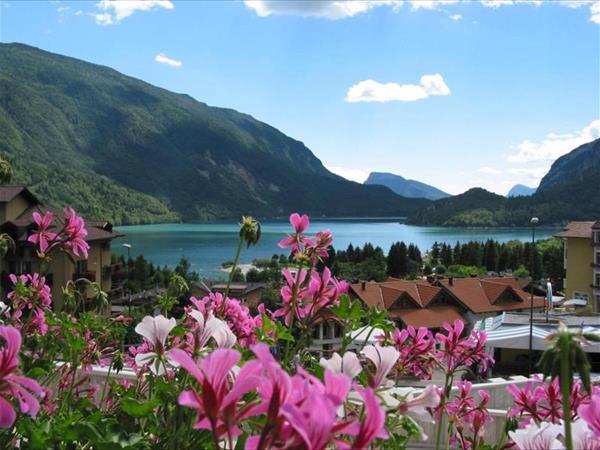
(357, 175)
(103, 19)
(164, 59)
(595, 12)
(373, 91)
(555, 145)
(430, 4)
(455, 17)
(489, 170)
(498, 3)
(533, 173)
(321, 9)
(113, 11)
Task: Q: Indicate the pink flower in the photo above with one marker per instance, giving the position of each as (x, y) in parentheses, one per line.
(590, 412)
(313, 420)
(300, 224)
(75, 234)
(372, 425)
(537, 437)
(416, 347)
(236, 315)
(155, 330)
(42, 237)
(384, 359)
(348, 364)
(287, 309)
(458, 351)
(217, 405)
(11, 384)
(320, 248)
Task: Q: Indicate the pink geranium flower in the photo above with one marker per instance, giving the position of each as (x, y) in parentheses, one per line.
(75, 234)
(42, 236)
(300, 224)
(218, 403)
(13, 386)
(372, 425)
(313, 420)
(590, 412)
(287, 309)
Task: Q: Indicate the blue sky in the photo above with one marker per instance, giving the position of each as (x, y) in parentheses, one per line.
(453, 93)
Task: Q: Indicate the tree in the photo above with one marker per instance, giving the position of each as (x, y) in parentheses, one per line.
(414, 254)
(490, 255)
(6, 172)
(392, 263)
(446, 255)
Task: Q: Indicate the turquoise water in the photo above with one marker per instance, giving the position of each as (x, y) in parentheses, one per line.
(208, 245)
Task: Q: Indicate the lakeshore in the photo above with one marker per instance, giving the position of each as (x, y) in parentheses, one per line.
(208, 245)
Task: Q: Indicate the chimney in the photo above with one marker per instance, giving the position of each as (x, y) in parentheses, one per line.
(451, 281)
(363, 284)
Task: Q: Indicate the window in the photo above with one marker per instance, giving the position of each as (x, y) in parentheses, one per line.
(596, 237)
(81, 266)
(598, 303)
(598, 257)
(597, 280)
(19, 267)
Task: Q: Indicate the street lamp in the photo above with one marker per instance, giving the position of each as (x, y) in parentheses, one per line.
(128, 247)
(534, 221)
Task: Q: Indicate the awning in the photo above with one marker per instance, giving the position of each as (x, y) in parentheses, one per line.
(517, 337)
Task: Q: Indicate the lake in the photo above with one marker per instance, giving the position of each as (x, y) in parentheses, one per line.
(207, 245)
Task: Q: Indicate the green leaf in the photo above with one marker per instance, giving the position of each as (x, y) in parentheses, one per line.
(137, 408)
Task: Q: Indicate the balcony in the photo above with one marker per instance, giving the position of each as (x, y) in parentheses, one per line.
(595, 265)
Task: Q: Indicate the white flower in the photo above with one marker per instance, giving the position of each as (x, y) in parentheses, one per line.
(416, 406)
(155, 330)
(348, 364)
(534, 437)
(583, 436)
(384, 359)
(213, 328)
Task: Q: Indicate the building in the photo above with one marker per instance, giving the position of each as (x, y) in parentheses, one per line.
(249, 293)
(17, 205)
(421, 303)
(582, 262)
(508, 337)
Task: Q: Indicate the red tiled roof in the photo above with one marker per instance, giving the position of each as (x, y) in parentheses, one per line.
(432, 317)
(482, 295)
(7, 193)
(577, 230)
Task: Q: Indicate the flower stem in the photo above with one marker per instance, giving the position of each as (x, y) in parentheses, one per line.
(443, 399)
(565, 388)
(234, 267)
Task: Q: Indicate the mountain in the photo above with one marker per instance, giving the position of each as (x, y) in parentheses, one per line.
(521, 190)
(118, 148)
(570, 191)
(404, 187)
(578, 169)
